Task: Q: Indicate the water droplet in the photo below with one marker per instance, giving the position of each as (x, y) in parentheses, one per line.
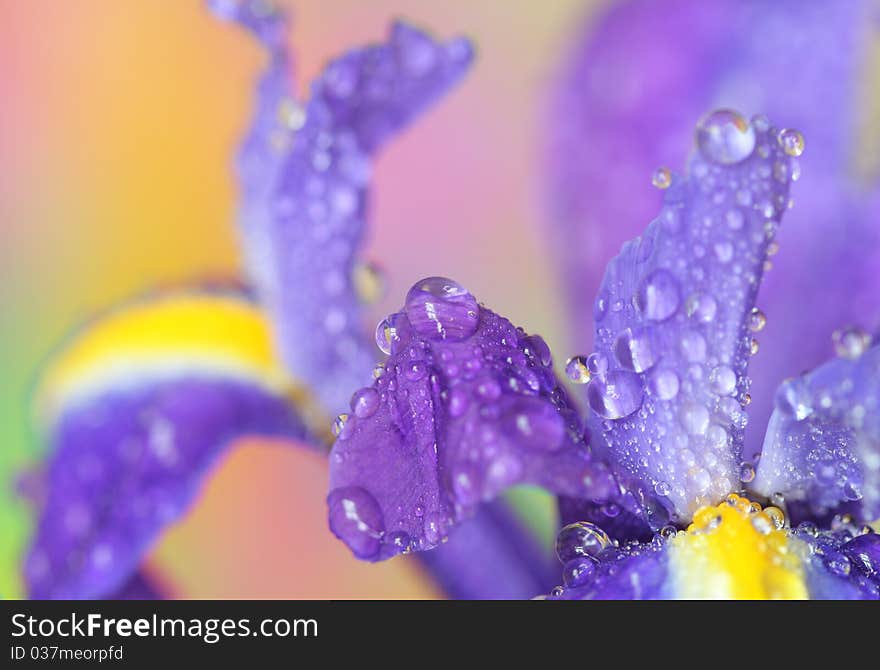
(746, 472)
(754, 346)
(356, 519)
(658, 296)
(616, 394)
(597, 364)
(695, 418)
(664, 383)
(725, 137)
(793, 399)
(633, 349)
(365, 402)
(756, 320)
(851, 342)
(439, 308)
(577, 572)
(580, 540)
(577, 371)
(702, 307)
(388, 334)
(339, 424)
(662, 178)
(723, 380)
(661, 488)
(792, 142)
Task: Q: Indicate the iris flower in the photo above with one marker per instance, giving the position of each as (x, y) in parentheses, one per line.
(658, 493)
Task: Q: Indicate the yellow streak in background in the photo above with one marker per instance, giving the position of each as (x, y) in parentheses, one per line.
(168, 334)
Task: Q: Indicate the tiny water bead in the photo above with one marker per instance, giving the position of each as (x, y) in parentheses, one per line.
(756, 320)
(746, 472)
(851, 342)
(577, 370)
(440, 308)
(725, 137)
(791, 141)
(581, 540)
(339, 424)
(661, 178)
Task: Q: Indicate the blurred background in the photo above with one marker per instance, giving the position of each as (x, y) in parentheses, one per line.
(118, 122)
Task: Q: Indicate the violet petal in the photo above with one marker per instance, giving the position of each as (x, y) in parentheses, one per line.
(466, 406)
(676, 313)
(306, 171)
(636, 78)
(137, 408)
(491, 556)
(822, 448)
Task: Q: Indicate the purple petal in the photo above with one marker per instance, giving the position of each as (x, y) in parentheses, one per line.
(675, 315)
(736, 550)
(466, 406)
(491, 557)
(306, 170)
(822, 448)
(136, 409)
(138, 587)
(632, 86)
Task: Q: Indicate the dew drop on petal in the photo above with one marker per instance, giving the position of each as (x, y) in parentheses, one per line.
(616, 394)
(658, 295)
(756, 320)
(662, 178)
(440, 308)
(725, 137)
(580, 540)
(791, 141)
(577, 371)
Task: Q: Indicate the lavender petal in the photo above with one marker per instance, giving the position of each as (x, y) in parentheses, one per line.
(675, 315)
(466, 406)
(306, 170)
(631, 87)
(822, 448)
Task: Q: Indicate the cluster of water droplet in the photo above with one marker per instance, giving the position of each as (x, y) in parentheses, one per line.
(675, 321)
(823, 440)
(475, 400)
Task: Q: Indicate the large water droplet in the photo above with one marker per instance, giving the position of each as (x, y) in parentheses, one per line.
(756, 320)
(439, 308)
(357, 520)
(365, 402)
(615, 395)
(723, 380)
(388, 333)
(580, 540)
(725, 137)
(658, 296)
(664, 383)
(633, 349)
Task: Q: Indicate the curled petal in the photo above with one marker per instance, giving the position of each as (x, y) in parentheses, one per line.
(736, 550)
(137, 408)
(306, 171)
(676, 313)
(634, 81)
(822, 448)
(466, 406)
